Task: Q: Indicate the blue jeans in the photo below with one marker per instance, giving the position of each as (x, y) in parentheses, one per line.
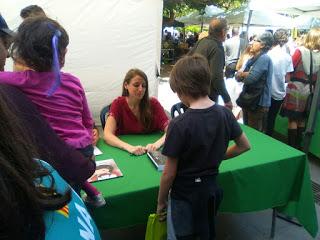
(182, 214)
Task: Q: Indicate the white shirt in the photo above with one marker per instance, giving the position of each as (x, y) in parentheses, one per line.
(282, 64)
(231, 48)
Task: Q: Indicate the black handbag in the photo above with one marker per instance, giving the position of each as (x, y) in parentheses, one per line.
(250, 96)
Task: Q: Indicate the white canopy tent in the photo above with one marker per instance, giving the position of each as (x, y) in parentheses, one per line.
(107, 38)
(306, 22)
(241, 16)
(292, 7)
(301, 8)
(197, 18)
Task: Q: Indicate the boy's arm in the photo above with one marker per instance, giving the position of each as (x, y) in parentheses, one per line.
(158, 144)
(167, 178)
(241, 145)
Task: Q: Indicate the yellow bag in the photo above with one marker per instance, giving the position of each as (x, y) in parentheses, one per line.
(156, 230)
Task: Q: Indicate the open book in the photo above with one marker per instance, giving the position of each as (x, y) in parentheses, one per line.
(158, 159)
(106, 169)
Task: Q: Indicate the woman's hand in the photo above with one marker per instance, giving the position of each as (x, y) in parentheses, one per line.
(137, 150)
(239, 76)
(152, 147)
(162, 211)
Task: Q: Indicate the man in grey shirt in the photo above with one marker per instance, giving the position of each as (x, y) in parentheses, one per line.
(233, 47)
(211, 48)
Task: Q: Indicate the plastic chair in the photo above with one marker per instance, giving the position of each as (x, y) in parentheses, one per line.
(103, 114)
(180, 108)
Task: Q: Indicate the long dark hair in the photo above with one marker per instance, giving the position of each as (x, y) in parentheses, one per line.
(144, 106)
(23, 199)
(33, 43)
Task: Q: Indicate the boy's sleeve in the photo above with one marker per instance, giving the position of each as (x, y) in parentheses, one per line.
(174, 141)
(235, 129)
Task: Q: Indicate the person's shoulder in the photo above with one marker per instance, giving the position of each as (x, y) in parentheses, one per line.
(206, 41)
(221, 112)
(154, 101)
(68, 77)
(264, 59)
(119, 100)
(299, 50)
(117, 104)
(179, 120)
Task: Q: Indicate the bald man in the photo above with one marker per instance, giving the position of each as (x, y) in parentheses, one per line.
(211, 47)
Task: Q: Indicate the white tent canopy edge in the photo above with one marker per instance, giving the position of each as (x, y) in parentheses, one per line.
(107, 38)
(293, 7)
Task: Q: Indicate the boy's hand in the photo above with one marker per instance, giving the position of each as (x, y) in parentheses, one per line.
(137, 150)
(162, 211)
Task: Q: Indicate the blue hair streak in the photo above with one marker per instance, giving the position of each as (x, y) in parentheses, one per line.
(55, 63)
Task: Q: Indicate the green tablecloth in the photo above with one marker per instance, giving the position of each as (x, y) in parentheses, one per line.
(271, 175)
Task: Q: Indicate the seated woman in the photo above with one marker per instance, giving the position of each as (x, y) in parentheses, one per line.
(133, 113)
(36, 203)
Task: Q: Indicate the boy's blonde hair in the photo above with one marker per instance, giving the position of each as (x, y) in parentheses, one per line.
(312, 40)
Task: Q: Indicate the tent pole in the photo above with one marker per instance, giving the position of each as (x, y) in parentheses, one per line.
(249, 21)
(201, 23)
(311, 121)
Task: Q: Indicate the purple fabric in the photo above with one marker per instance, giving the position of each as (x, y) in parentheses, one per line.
(89, 189)
(66, 110)
(70, 163)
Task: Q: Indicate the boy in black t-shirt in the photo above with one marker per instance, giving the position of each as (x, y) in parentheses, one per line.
(196, 143)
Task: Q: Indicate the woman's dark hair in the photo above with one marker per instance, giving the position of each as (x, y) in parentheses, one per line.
(32, 11)
(23, 199)
(32, 45)
(145, 111)
(190, 76)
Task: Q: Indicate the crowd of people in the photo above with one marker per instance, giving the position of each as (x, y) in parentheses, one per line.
(48, 133)
(287, 82)
(276, 76)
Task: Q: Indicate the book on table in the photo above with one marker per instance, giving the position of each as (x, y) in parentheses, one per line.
(158, 159)
(105, 169)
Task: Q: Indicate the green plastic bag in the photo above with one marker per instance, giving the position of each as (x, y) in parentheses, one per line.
(156, 230)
